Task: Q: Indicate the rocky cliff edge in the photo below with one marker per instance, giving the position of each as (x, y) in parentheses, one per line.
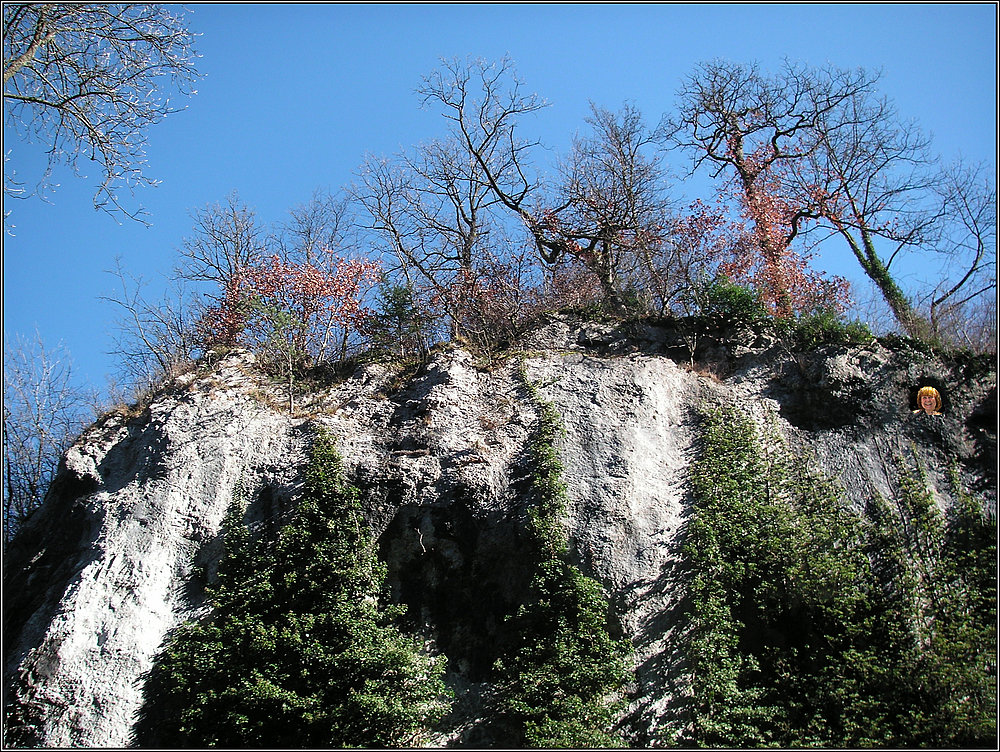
(129, 535)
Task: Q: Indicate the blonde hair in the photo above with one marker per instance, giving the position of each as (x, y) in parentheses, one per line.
(929, 391)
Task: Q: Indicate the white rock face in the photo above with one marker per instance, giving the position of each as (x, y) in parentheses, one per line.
(629, 439)
(161, 493)
(114, 560)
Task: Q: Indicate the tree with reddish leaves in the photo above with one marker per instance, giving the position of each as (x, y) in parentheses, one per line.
(494, 301)
(319, 305)
(761, 253)
(306, 310)
(299, 313)
(812, 151)
(222, 323)
(736, 120)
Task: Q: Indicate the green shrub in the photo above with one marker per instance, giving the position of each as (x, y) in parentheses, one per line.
(828, 328)
(731, 302)
(297, 650)
(953, 560)
(400, 327)
(807, 627)
(562, 680)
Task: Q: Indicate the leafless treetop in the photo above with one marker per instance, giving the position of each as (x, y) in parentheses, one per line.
(87, 80)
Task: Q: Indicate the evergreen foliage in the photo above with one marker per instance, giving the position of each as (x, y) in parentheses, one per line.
(828, 328)
(953, 595)
(297, 650)
(808, 627)
(731, 302)
(400, 326)
(562, 680)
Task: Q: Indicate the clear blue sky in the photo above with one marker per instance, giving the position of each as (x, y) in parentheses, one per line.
(294, 96)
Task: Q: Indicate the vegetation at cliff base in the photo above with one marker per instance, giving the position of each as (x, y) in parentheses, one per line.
(299, 649)
(809, 626)
(562, 681)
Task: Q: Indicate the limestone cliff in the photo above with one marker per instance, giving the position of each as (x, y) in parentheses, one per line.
(120, 552)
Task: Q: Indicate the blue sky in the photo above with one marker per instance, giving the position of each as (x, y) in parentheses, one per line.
(294, 96)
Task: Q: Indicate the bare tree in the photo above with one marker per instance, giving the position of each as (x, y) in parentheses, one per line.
(966, 237)
(611, 209)
(384, 190)
(87, 79)
(972, 325)
(608, 209)
(875, 182)
(750, 127)
(155, 339)
(427, 214)
(320, 224)
(484, 104)
(872, 180)
(435, 215)
(227, 238)
(455, 204)
(43, 411)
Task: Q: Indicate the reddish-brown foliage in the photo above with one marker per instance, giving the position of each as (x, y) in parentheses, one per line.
(316, 306)
(762, 253)
(222, 325)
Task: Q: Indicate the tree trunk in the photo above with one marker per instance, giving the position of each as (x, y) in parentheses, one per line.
(912, 323)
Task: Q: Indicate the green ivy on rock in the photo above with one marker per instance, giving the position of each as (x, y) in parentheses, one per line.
(562, 680)
(299, 649)
(953, 585)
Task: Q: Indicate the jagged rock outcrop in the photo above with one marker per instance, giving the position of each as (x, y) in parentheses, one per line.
(120, 552)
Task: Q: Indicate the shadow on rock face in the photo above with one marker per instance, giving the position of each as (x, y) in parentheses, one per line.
(812, 401)
(49, 551)
(984, 416)
(982, 426)
(460, 573)
(40, 565)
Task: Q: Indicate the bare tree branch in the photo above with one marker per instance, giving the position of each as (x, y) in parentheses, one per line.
(155, 339)
(484, 103)
(320, 224)
(87, 79)
(610, 209)
(227, 238)
(43, 411)
(966, 237)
